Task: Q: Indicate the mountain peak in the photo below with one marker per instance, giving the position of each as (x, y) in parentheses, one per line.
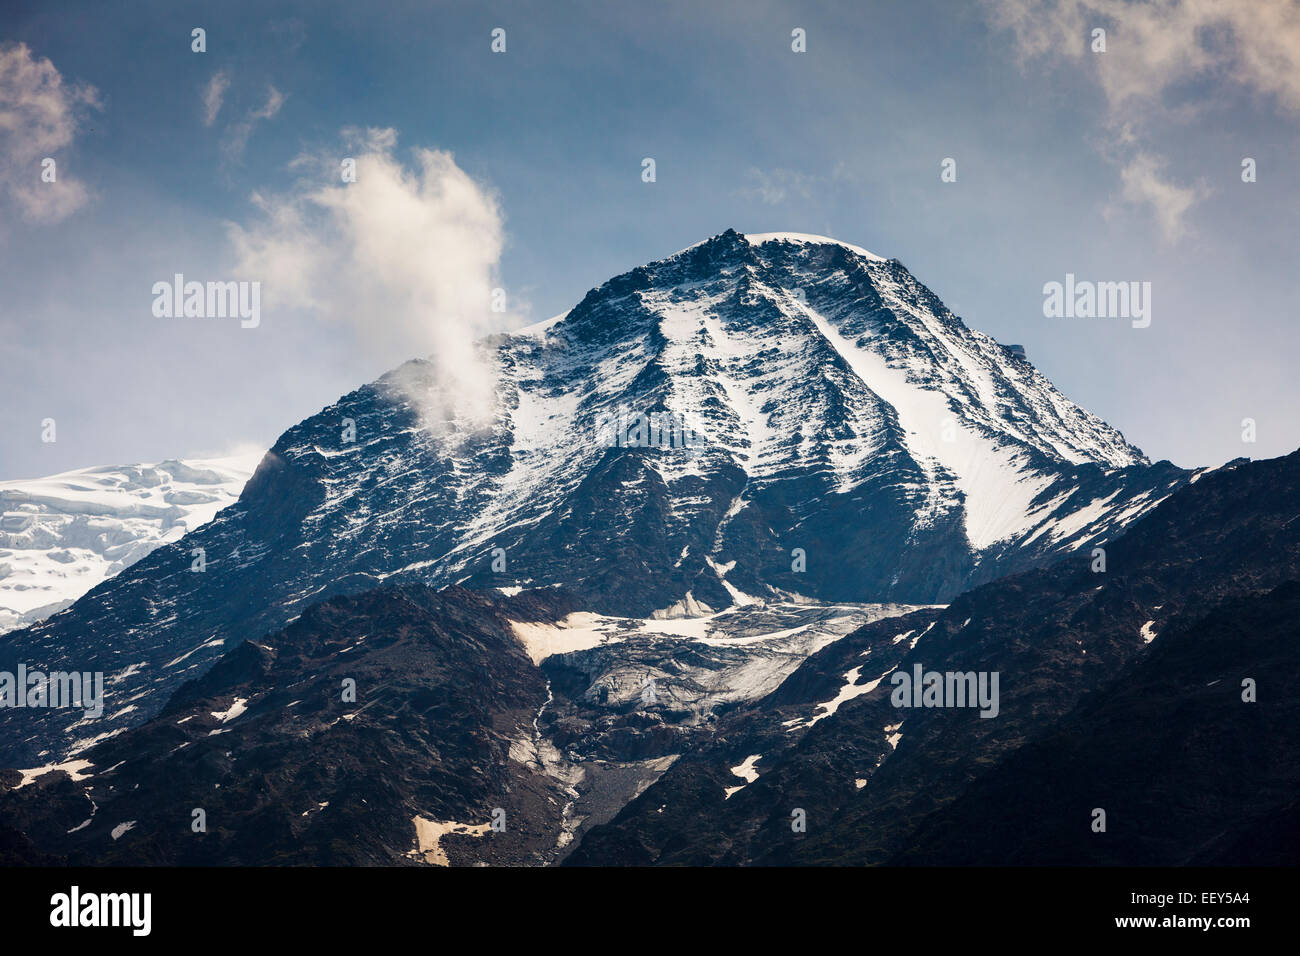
(807, 239)
(850, 440)
(730, 238)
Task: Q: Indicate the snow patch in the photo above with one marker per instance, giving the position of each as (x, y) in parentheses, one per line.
(429, 834)
(122, 828)
(238, 707)
(73, 768)
(745, 771)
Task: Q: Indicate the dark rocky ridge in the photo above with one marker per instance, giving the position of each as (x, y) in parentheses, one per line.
(1091, 716)
(303, 777)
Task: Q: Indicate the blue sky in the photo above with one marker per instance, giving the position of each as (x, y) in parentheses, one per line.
(1115, 166)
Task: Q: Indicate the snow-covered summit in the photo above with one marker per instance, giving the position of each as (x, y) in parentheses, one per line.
(803, 238)
(799, 359)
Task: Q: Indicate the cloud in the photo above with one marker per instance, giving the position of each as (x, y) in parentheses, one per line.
(407, 256)
(1157, 46)
(274, 101)
(1144, 183)
(40, 116)
(237, 134)
(774, 186)
(1155, 53)
(214, 95)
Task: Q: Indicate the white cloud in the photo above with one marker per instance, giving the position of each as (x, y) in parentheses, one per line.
(1144, 183)
(1155, 52)
(214, 95)
(1155, 46)
(274, 100)
(407, 256)
(775, 186)
(237, 134)
(40, 116)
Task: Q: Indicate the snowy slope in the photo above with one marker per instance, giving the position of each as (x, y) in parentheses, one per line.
(857, 444)
(62, 535)
(799, 357)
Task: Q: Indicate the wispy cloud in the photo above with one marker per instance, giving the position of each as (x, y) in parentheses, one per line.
(237, 134)
(214, 94)
(40, 116)
(1156, 51)
(775, 186)
(1144, 183)
(408, 256)
(1161, 44)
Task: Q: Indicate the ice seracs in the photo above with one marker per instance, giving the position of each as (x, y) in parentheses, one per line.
(62, 535)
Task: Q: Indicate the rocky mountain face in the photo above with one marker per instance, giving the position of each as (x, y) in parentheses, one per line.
(365, 723)
(755, 421)
(1241, 807)
(450, 727)
(1161, 691)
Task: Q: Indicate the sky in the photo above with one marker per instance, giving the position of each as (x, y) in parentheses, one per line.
(522, 170)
